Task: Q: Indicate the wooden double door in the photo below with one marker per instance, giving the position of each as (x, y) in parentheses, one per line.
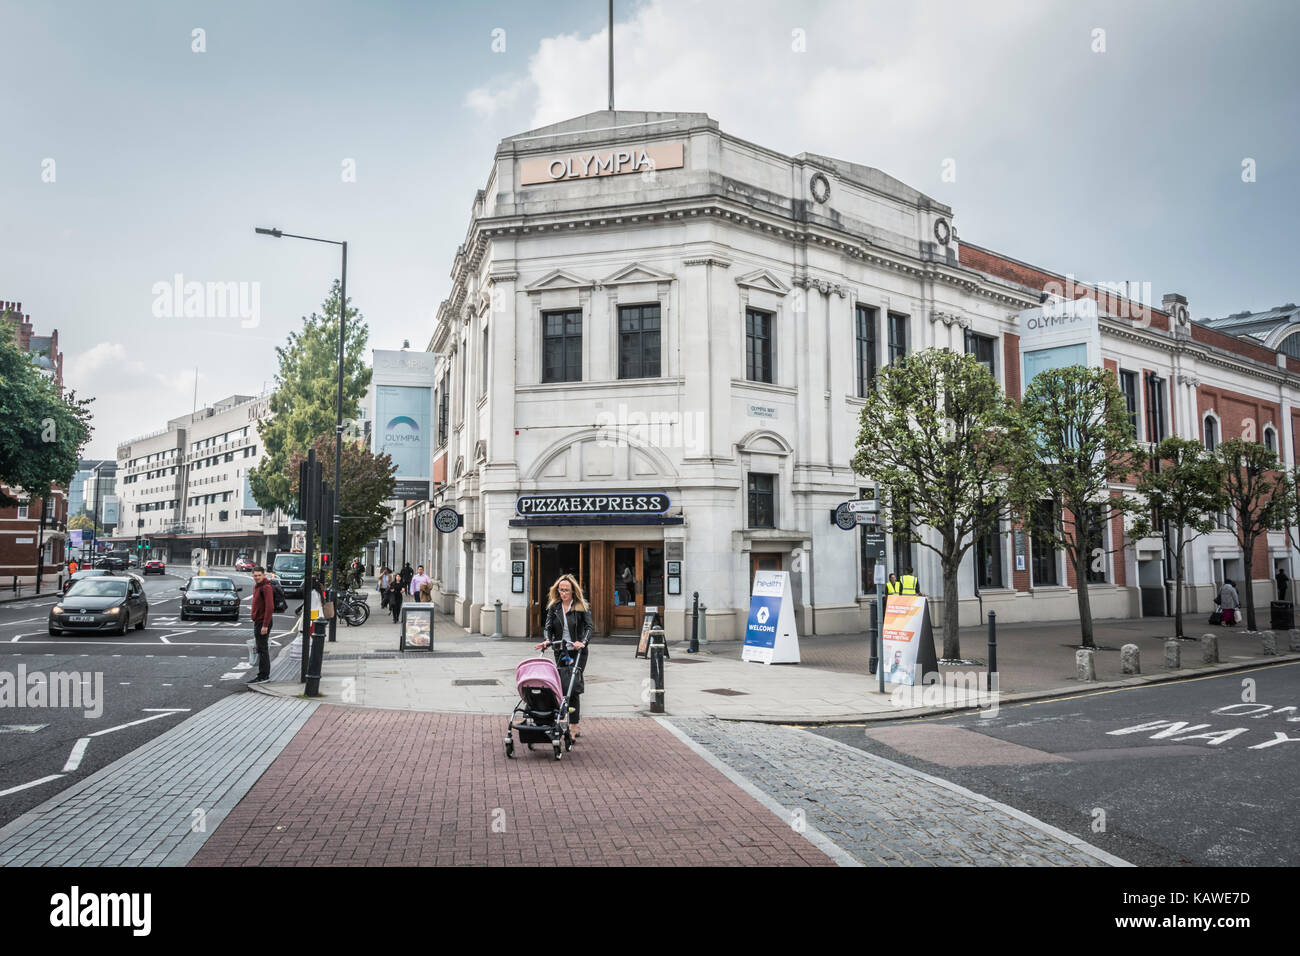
(619, 579)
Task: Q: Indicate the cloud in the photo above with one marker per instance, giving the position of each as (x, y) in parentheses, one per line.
(501, 95)
(85, 365)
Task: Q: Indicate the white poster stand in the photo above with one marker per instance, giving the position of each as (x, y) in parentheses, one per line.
(770, 635)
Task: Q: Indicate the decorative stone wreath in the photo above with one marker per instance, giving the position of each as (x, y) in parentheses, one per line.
(820, 187)
(942, 231)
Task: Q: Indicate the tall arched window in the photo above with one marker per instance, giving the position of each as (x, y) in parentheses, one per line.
(1211, 433)
(1270, 438)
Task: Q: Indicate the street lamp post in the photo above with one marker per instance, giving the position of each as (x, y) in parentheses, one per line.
(338, 418)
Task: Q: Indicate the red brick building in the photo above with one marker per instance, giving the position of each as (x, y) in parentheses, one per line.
(33, 534)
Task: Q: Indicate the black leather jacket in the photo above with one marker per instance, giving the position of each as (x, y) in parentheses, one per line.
(579, 631)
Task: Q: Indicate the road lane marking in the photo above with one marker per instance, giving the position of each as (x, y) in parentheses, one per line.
(78, 751)
(34, 783)
(21, 728)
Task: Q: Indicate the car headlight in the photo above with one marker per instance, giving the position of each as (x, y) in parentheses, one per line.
(58, 610)
(114, 610)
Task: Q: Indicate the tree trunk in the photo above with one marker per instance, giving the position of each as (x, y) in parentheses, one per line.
(1178, 585)
(951, 616)
(1081, 587)
(1247, 585)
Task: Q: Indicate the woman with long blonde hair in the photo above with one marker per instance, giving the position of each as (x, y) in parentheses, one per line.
(568, 631)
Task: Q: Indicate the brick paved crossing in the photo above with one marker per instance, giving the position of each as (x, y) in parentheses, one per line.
(882, 813)
(385, 787)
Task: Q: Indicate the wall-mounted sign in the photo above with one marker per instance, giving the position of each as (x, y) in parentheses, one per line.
(762, 411)
(624, 503)
(843, 517)
(447, 520)
(874, 544)
(1018, 539)
(609, 162)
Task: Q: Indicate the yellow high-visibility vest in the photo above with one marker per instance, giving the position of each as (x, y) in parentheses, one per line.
(909, 584)
(891, 587)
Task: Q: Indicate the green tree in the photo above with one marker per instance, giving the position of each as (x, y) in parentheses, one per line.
(303, 406)
(1257, 495)
(368, 481)
(1079, 442)
(1184, 490)
(937, 432)
(42, 430)
(82, 523)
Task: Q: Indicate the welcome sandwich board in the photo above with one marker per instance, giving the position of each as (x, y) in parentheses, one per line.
(770, 634)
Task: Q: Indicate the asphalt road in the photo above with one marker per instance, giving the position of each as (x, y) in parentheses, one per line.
(1197, 772)
(150, 680)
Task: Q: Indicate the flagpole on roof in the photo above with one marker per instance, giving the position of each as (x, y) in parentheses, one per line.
(611, 56)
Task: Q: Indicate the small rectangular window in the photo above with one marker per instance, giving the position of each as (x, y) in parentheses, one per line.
(758, 346)
(762, 493)
(638, 341)
(897, 338)
(985, 350)
(562, 346)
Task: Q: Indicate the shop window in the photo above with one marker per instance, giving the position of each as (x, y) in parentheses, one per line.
(988, 558)
(762, 501)
(638, 341)
(562, 346)
(758, 346)
(867, 318)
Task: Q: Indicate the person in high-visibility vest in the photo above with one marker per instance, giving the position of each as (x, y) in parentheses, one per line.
(909, 584)
(892, 586)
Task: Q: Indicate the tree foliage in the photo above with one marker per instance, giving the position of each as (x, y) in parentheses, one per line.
(368, 481)
(1184, 488)
(1079, 443)
(1257, 494)
(42, 431)
(303, 406)
(936, 433)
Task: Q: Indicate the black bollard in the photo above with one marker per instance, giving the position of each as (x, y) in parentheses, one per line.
(993, 645)
(317, 658)
(657, 645)
(695, 625)
(875, 640)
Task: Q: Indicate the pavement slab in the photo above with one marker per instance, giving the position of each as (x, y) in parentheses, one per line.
(881, 812)
(396, 788)
(140, 810)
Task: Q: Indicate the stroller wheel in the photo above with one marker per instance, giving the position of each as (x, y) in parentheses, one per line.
(530, 746)
(510, 750)
(558, 752)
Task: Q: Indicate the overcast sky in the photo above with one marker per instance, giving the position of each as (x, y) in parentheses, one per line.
(130, 158)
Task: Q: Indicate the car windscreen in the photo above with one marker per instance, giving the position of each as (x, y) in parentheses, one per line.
(98, 587)
(290, 562)
(212, 584)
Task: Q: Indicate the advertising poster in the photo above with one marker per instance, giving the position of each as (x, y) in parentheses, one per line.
(908, 641)
(108, 510)
(402, 428)
(770, 633)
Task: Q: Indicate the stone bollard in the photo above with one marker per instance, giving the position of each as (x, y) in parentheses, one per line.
(1295, 640)
(1209, 649)
(1085, 664)
(1130, 659)
(1268, 642)
(1173, 654)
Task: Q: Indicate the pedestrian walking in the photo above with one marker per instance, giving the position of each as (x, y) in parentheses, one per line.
(407, 574)
(385, 579)
(419, 581)
(72, 566)
(262, 612)
(1283, 579)
(395, 592)
(568, 631)
(1229, 602)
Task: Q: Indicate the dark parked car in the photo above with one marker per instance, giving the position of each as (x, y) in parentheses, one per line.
(111, 562)
(155, 567)
(107, 603)
(206, 596)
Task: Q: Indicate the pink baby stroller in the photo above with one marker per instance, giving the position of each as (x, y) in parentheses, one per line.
(543, 708)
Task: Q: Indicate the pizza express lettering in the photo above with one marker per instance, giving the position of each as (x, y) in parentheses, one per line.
(632, 503)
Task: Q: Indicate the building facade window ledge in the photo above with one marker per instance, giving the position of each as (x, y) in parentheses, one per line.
(791, 390)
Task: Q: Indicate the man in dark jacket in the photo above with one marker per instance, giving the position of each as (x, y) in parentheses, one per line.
(263, 611)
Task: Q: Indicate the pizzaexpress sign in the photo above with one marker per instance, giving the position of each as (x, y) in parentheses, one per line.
(606, 503)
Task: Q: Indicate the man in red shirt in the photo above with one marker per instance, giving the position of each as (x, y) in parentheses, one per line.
(262, 612)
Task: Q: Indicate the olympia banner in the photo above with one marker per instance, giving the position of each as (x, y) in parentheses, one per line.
(770, 635)
(908, 640)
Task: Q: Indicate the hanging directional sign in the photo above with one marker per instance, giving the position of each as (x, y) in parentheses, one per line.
(447, 520)
(864, 504)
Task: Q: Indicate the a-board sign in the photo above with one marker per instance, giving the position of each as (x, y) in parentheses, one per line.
(770, 633)
(908, 640)
(417, 627)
